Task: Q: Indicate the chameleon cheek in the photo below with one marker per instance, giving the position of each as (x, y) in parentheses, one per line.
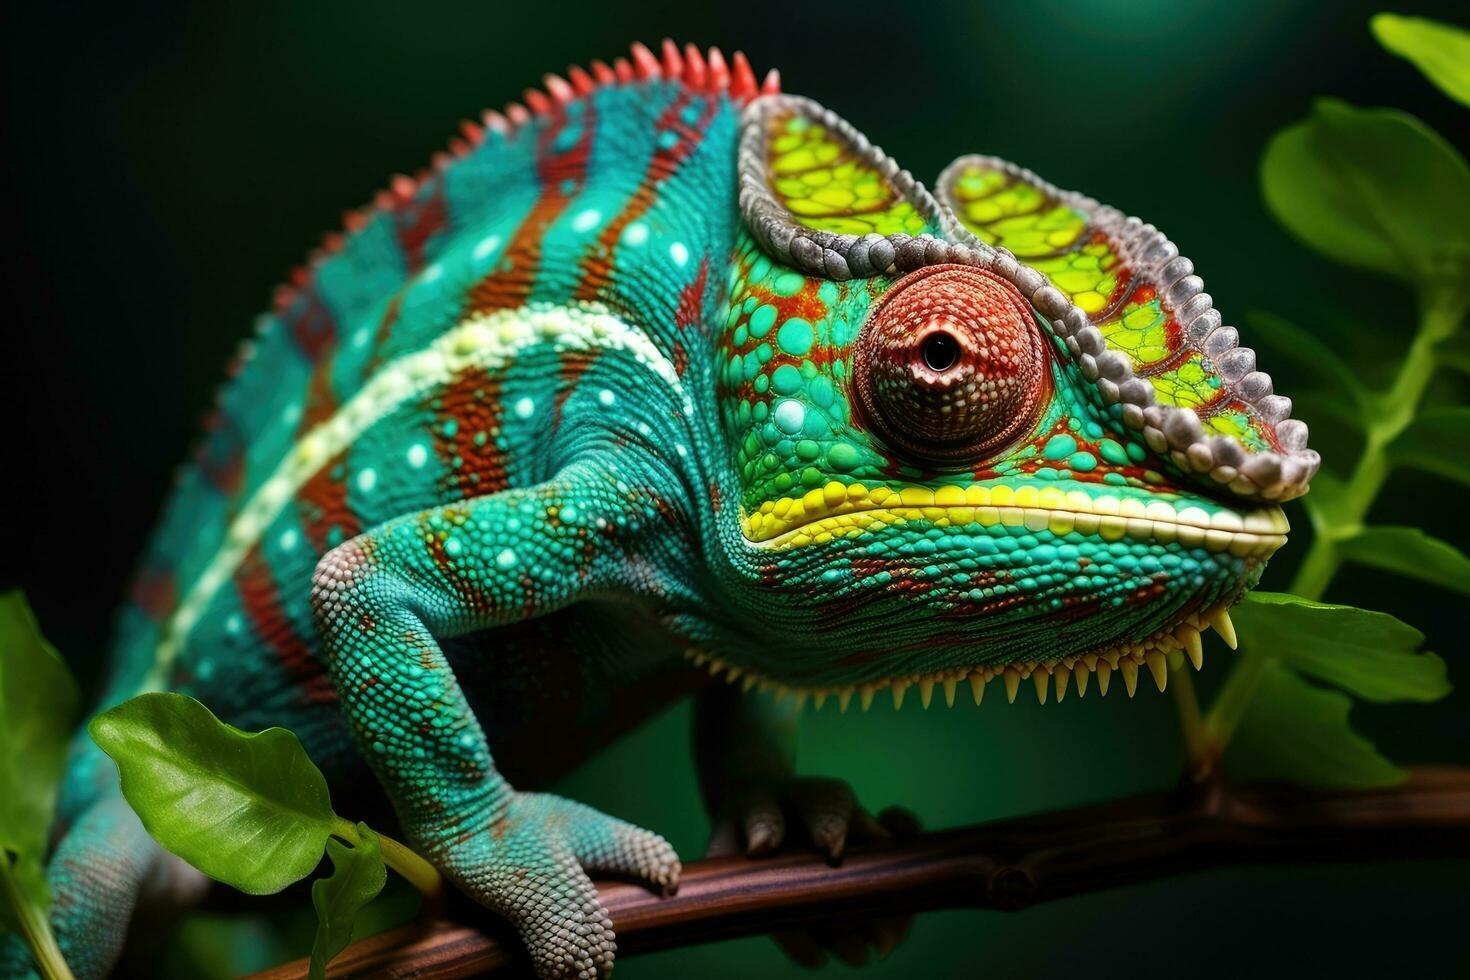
(950, 367)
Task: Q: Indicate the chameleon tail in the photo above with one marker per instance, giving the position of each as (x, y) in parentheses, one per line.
(104, 862)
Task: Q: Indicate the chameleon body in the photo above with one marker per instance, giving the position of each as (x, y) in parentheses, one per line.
(664, 374)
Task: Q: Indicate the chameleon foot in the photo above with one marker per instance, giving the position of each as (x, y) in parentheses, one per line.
(532, 865)
(824, 814)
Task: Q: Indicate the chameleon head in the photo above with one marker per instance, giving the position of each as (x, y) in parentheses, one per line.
(957, 465)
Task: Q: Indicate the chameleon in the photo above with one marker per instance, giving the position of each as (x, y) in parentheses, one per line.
(663, 377)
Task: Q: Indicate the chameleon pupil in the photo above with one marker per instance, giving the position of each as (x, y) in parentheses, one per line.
(940, 351)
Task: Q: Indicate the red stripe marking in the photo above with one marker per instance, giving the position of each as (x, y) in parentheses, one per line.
(261, 601)
(467, 413)
(322, 507)
(561, 176)
(597, 265)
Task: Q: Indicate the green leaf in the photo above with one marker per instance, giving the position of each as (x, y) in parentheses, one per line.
(1311, 352)
(1440, 51)
(1294, 730)
(358, 875)
(38, 706)
(1373, 188)
(1410, 552)
(247, 809)
(1437, 441)
(1371, 654)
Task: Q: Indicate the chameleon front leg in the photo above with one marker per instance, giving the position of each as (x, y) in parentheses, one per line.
(382, 602)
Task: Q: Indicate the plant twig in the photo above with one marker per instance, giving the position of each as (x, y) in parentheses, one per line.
(34, 927)
(1007, 865)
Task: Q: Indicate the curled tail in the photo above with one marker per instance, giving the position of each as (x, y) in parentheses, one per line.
(102, 867)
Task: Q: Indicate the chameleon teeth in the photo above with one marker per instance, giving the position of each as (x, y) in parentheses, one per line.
(1195, 648)
(1161, 654)
(1224, 627)
(1159, 668)
(1013, 684)
(1130, 676)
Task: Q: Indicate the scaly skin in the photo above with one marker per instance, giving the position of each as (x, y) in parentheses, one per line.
(621, 385)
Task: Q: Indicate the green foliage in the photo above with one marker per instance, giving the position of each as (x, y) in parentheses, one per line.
(1371, 655)
(1298, 731)
(1377, 189)
(38, 706)
(247, 809)
(1440, 51)
(1373, 188)
(1410, 552)
(38, 703)
(357, 877)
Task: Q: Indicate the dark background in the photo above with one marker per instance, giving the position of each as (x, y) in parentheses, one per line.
(170, 162)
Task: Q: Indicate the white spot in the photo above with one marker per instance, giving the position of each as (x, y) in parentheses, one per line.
(605, 397)
(645, 429)
(524, 408)
(506, 558)
(487, 245)
(679, 252)
(635, 234)
(679, 448)
(234, 624)
(587, 220)
(417, 455)
(291, 413)
(431, 272)
(367, 479)
(452, 547)
(288, 539)
(487, 341)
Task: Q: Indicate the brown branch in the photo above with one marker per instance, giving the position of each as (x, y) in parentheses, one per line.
(1006, 865)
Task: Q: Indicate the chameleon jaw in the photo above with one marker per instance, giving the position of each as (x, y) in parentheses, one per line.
(1159, 653)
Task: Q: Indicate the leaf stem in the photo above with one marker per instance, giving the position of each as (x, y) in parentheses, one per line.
(398, 856)
(34, 927)
(1391, 412)
(1199, 750)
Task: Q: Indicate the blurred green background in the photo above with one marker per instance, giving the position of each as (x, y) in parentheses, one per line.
(170, 161)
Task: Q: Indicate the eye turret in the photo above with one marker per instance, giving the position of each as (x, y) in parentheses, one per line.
(951, 365)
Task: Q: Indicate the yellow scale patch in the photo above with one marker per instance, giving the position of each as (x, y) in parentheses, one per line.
(840, 510)
(828, 188)
(1001, 210)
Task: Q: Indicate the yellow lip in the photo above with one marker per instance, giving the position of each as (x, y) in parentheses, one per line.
(848, 509)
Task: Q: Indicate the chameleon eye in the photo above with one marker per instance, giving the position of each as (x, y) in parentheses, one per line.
(950, 366)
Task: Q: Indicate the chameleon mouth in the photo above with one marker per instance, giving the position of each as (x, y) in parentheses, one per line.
(1158, 654)
(849, 509)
